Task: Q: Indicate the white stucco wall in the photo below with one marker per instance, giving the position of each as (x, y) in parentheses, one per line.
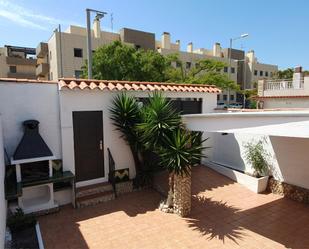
(23, 101)
(286, 103)
(3, 202)
(96, 100)
(288, 157)
(285, 136)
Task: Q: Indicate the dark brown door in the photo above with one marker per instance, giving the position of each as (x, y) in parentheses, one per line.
(88, 145)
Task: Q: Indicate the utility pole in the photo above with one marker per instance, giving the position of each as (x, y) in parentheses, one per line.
(99, 15)
(230, 63)
(60, 47)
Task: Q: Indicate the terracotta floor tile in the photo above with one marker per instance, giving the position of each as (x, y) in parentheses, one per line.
(224, 215)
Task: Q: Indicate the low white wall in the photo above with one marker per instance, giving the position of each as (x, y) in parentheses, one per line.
(22, 101)
(3, 203)
(288, 157)
(286, 103)
(96, 100)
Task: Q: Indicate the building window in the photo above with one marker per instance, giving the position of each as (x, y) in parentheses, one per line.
(178, 64)
(218, 97)
(232, 97)
(224, 97)
(78, 52)
(78, 74)
(232, 69)
(225, 69)
(271, 74)
(266, 74)
(261, 73)
(50, 55)
(13, 69)
(255, 72)
(188, 65)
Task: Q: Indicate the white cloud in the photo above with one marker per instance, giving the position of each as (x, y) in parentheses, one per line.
(18, 19)
(27, 18)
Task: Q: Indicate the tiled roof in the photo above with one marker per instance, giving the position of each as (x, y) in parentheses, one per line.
(113, 85)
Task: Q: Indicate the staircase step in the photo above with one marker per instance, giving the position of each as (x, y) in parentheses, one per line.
(94, 199)
(93, 189)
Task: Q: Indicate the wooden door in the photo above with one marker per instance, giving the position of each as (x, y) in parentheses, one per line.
(88, 145)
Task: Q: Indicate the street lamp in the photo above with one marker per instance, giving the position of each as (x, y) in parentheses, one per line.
(99, 15)
(230, 61)
(244, 79)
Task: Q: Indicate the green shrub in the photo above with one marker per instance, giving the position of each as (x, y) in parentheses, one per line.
(19, 221)
(257, 156)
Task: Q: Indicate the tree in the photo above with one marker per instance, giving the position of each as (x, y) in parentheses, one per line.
(125, 113)
(157, 127)
(284, 74)
(118, 61)
(205, 71)
(180, 151)
(159, 119)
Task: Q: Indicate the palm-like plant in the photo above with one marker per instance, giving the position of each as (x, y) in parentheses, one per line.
(125, 113)
(159, 118)
(181, 150)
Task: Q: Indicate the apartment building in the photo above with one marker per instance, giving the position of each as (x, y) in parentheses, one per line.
(65, 53)
(17, 62)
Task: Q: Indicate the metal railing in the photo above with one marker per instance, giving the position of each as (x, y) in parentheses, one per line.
(111, 173)
(283, 85)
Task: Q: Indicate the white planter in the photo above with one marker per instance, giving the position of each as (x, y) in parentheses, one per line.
(256, 185)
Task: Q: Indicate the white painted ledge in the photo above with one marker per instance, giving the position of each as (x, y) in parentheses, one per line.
(39, 235)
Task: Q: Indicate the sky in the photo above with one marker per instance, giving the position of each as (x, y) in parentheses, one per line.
(278, 29)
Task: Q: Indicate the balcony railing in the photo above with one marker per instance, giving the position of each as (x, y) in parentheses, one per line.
(283, 85)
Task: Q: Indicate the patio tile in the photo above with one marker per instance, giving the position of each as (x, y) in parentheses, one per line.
(224, 215)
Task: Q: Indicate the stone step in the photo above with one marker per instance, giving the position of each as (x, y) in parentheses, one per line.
(94, 199)
(93, 189)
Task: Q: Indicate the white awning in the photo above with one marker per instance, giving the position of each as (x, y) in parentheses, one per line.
(273, 123)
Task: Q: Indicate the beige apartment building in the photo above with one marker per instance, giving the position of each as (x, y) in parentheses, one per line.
(17, 62)
(65, 53)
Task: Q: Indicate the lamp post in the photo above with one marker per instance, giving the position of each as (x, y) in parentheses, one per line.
(245, 78)
(230, 62)
(99, 15)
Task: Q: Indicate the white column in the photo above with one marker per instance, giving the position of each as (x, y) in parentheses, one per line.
(18, 173)
(50, 164)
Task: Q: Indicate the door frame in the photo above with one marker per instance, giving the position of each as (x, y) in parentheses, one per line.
(99, 179)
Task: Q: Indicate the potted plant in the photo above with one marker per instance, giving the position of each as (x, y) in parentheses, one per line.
(256, 155)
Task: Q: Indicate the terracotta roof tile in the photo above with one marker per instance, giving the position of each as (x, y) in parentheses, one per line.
(72, 83)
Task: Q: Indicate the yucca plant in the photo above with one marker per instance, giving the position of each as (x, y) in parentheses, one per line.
(180, 151)
(159, 119)
(126, 115)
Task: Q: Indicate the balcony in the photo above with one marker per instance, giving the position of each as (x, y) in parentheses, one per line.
(42, 69)
(21, 75)
(41, 50)
(11, 60)
(296, 87)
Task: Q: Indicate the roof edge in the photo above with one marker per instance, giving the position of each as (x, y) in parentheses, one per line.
(137, 82)
(27, 81)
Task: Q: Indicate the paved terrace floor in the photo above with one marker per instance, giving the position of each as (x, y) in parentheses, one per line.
(224, 215)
